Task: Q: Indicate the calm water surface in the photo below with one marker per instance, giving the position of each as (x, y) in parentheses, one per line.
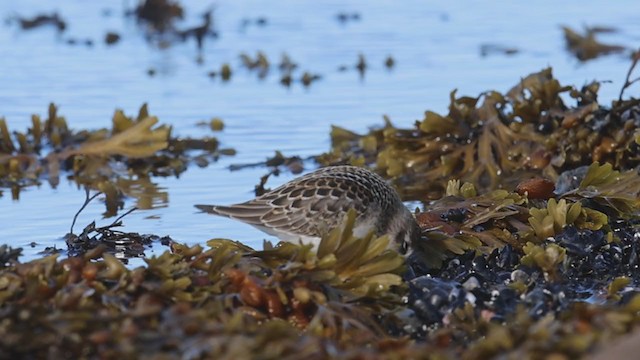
(436, 45)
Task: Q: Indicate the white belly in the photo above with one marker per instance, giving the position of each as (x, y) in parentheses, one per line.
(359, 231)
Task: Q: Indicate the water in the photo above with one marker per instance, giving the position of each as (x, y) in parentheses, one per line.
(436, 46)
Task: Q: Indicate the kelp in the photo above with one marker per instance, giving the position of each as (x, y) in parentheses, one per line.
(8, 254)
(54, 19)
(94, 159)
(618, 192)
(495, 303)
(529, 248)
(216, 297)
(549, 221)
(160, 14)
(495, 140)
(262, 66)
(466, 221)
(454, 225)
(585, 46)
(345, 17)
(124, 245)
(346, 299)
(499, 49)
(137, 141)
(111, 38)
(276, 163)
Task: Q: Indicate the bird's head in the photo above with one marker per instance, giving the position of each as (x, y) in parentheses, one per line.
(405, 232)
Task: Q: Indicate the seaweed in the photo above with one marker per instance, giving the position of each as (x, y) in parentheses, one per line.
(286, 300)
(225, 297)
(123, 245)
(491, 49)
(111, 38)
(618, 192)
(496, 140)
(454, 225)
(389, 62)
(260, 63)
(92, 158)
(8, 254)
(529, 244)
(344, 17)
(159, 13)
(37, 21)
(135, 141)
(585, 46)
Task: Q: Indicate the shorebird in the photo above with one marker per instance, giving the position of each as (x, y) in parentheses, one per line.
(307, 207)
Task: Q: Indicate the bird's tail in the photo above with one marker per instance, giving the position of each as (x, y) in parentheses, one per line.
(249, 212)
(211, 209)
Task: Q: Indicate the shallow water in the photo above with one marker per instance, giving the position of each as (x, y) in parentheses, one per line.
(436, 46)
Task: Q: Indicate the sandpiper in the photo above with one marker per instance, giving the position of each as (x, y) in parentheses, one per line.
(307, 207)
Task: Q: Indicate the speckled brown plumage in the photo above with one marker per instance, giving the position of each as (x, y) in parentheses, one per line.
(306, 207)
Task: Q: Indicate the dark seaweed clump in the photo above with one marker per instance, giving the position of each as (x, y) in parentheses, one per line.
(124, 245)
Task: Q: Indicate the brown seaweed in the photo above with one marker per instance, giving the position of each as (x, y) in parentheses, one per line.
(494, 140)
(586, 46)
(88, 157)
(506, 267)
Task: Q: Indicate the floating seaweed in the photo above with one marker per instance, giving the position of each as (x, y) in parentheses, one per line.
(259, 21)
(123, 245)
(344, 17)
(493, 49)
(161, 14)
(37, 21)
(161, 18)
(8, 254)
(389, 62)
(111, 38)
(90, 157)
(260, 64)
(585, 46)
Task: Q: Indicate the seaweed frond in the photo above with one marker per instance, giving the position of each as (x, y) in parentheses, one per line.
(136, 141)
(617, 192)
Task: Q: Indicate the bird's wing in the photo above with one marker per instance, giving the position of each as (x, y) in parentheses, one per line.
(294, 207)
(246, 212)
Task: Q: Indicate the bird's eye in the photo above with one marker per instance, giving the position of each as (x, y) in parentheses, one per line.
(400, 238)
(404, 247)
